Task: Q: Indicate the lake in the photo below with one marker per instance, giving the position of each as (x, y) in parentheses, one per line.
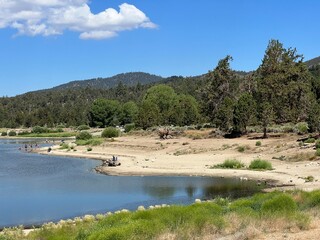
(35, 189)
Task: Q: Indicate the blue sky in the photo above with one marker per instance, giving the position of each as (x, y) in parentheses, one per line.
(162, 37)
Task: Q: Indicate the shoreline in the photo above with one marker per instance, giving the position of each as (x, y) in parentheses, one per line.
(150, 156)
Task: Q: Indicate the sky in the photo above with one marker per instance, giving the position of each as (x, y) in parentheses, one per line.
(45, 43)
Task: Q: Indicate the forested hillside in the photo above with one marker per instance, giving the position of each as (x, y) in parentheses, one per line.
(129, 79)
(313, 62)
(284, 89)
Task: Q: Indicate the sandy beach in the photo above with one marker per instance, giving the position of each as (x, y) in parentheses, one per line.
(150, 155)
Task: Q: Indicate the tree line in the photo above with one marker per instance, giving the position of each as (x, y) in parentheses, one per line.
(283, 89)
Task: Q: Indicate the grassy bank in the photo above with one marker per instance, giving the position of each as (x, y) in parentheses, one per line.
(48, 135)
(246, 217)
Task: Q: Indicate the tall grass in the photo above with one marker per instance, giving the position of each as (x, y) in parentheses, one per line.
(259, 164)
(91, 142)
(199, 220)
(275, 211)
(231, 164)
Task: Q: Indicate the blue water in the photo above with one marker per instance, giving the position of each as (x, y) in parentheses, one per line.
(35, 189)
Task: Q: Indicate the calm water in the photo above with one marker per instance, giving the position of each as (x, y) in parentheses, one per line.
(36, 189)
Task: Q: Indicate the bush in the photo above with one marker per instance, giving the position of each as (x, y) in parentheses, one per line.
(281, 204)
(230, 163)
(318, 152)
(310, 140)
(318, 144)
(259, 164)
(258, 143)
(38, 129)
(83, 127)
(129, 127)
(302, 128)
(110, 132)
(89, 149)
(241, 148)
(84, 136)
(23, 133)
(59, 130)
(4, 134)
(12, 133)
(64, 146)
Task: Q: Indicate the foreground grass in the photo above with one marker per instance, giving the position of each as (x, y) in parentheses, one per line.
(247, 217)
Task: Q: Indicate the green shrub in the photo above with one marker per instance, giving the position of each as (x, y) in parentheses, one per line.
(84, 136)
(241, 149)
(64, 146)
(318, 152)
(302, 128)
(258, 143)
(259, 164)
(230, 163)
(23, 133)
(110, 132)
(12, 133)
(59, 130)
(129, 127)
(279, 205)
(313, 199)
(89, 149)
(317, 144)
(310, 140)
(4, 134)
(83, 127)
(38, 129)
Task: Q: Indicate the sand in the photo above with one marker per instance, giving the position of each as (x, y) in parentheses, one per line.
(149, 155)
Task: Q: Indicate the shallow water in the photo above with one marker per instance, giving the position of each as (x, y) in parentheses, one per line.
(36, 188)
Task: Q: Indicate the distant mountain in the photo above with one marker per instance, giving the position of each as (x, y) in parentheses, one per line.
(129, 79)
(313, 62)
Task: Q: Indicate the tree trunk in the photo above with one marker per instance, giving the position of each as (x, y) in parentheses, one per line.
(265, 132)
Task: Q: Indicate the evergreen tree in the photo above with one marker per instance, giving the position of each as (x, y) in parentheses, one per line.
(148, 114)
(244, 112)
(219, 93)
(284, 82)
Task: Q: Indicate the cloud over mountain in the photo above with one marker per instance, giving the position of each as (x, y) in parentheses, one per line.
(53, 17)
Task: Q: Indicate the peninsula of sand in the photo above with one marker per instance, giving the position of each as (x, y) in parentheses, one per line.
(295, 165)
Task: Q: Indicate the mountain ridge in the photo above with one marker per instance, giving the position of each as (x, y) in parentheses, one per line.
(129, 79)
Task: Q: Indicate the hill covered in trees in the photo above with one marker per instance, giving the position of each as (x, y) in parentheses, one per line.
(283, 89)
(129, 79)
(313, 62)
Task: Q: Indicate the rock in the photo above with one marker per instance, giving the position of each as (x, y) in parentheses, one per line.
(141, 208)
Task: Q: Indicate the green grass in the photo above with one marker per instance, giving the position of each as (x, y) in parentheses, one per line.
(49, 135)
(196, 221)
(258, 143)
(242, 148)
(259, 164)
(91, 142)
(231, 164)
(310, 140)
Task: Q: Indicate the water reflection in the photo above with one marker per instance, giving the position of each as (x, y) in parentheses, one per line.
(36, 188)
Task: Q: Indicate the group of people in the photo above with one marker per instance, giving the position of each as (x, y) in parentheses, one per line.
(29, 147)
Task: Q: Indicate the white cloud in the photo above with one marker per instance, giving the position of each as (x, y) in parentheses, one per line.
(52, 17)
